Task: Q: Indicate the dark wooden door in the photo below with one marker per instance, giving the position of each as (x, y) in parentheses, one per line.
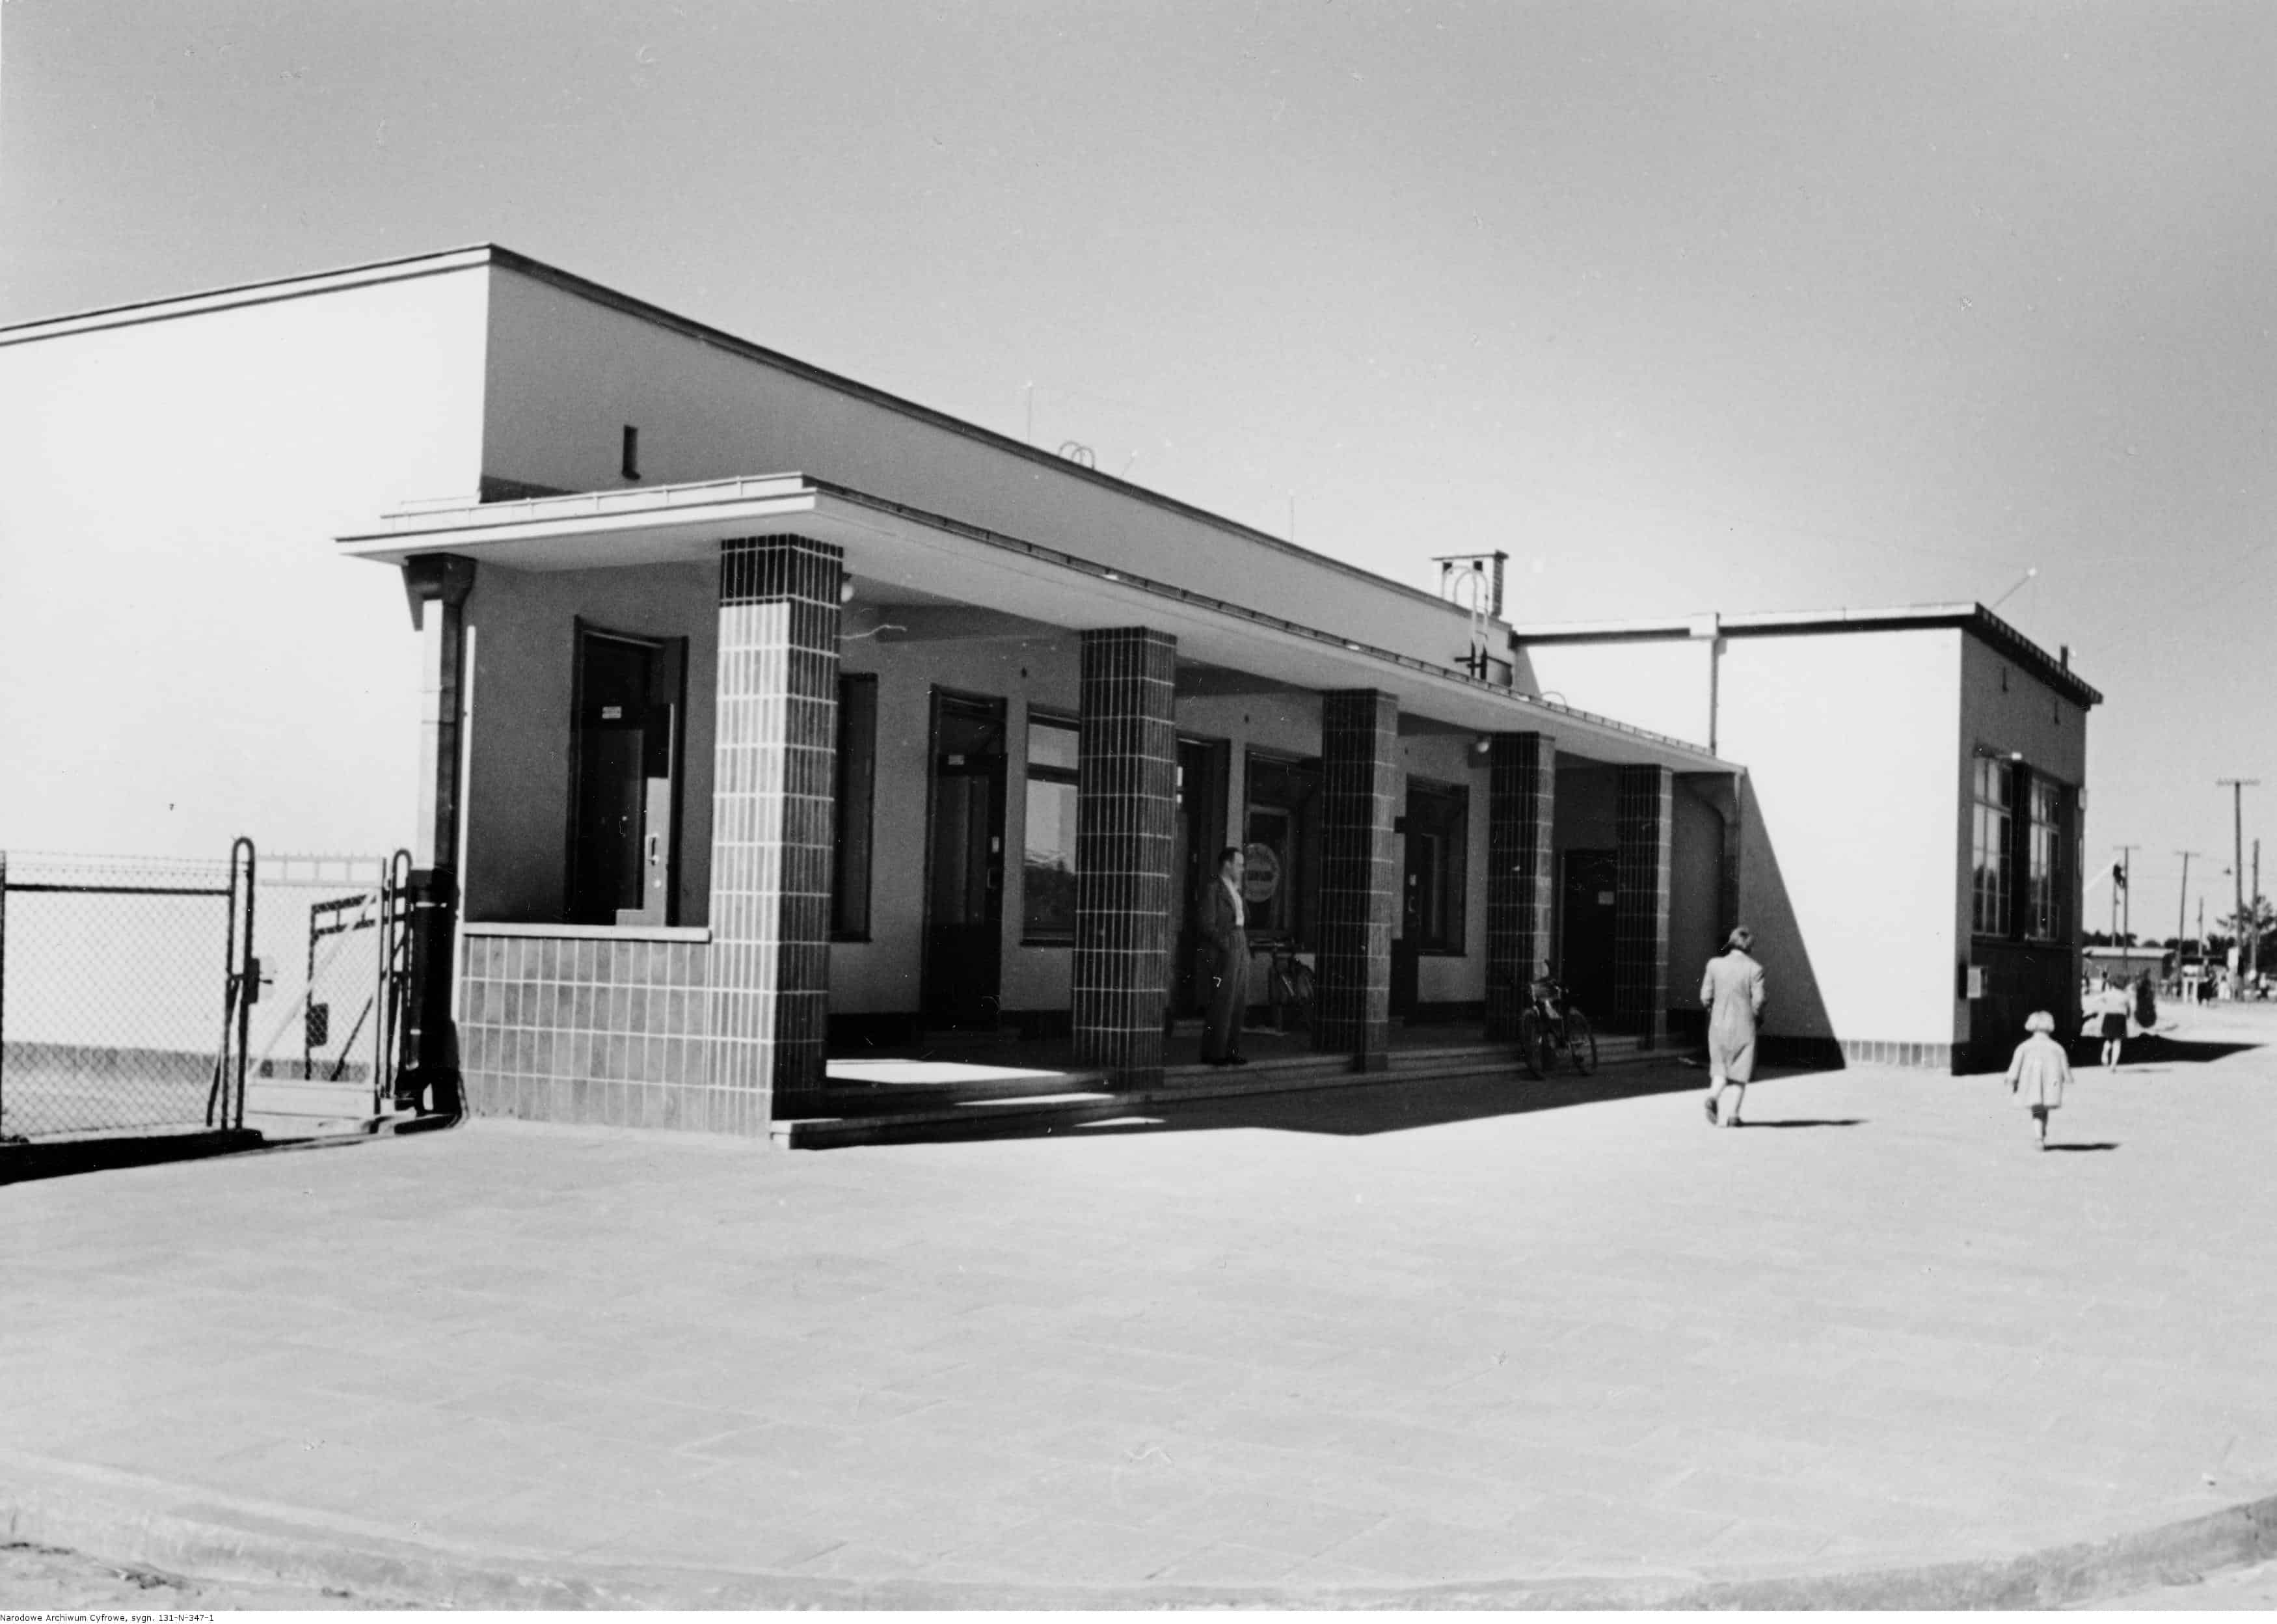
(1585, 945)
(965, 867)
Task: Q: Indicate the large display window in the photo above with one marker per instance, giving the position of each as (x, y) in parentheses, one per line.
(1281, 844)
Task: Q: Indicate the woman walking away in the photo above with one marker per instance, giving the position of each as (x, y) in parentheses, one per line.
(2111, 1003)
(2038, 1073)
(1732, 989)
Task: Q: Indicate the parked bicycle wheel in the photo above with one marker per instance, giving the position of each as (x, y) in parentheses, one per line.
(1580, 1042)
(1533, 1045)
(1300, 998)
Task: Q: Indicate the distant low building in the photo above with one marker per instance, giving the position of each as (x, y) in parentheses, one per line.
(2125, 963)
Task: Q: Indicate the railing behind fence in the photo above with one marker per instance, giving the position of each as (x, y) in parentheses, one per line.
(332, 946)
(124, 987)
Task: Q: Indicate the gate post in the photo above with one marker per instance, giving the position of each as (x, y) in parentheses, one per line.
(234, 1114)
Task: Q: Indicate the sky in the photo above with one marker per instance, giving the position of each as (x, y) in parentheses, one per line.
(1687, 306)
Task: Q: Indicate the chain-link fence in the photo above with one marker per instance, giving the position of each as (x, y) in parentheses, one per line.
(152, 995)
(118, 993)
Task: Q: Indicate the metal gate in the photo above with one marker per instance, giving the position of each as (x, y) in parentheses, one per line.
(335, 947)
(126, 985)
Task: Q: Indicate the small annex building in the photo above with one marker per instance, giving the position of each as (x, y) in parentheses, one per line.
(1912, 810)
(753, 710)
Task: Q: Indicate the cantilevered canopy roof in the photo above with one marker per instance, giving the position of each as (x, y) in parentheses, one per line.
(899, 555)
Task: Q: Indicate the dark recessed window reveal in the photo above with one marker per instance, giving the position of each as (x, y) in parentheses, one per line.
(631, 469)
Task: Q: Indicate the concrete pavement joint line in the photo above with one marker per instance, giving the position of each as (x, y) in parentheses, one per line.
(114, 1514)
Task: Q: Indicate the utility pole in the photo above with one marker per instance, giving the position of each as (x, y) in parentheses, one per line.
(2237, 788)
(2253, 948)
(2126, 930)
(2182, 909)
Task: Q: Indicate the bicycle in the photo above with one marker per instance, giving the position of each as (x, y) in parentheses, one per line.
(1289, 990)
(1548, 1026)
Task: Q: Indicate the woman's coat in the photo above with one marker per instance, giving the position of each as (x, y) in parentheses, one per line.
(1732, 989)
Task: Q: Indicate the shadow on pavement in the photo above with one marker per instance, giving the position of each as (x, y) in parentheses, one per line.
(1803, 1122)
(21, 1164)
(1356, 1109)
(2158, 1046)
(2105, 1144)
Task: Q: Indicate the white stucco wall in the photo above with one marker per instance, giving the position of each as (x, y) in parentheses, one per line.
(569, 373)
(1660, 686)
(1853, 855)
(517, 789)
(184, 658)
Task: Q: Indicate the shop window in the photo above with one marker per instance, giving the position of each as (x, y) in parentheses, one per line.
(1990, 847)
(1047, 868)
(2047, 920)
(856, 787)
(1438, 844)
(1281, 842)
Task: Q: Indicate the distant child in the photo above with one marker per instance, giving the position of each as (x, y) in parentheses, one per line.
(2038, 1073)
(2110, 1002)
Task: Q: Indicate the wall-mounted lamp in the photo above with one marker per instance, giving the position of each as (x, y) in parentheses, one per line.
(846, 590)
(1484, 744)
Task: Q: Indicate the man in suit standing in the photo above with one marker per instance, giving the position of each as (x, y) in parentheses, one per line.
(1225, 924)
(1732, 989)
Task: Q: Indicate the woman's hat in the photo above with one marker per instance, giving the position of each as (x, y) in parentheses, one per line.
(2039, 1020)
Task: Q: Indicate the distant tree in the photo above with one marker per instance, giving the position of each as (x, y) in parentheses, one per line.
(2260, 919)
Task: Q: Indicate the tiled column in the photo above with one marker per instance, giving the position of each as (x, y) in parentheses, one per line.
(1126, 808)
(1359, 748)
(1644, 815)
(1521, 801)
(777, 733)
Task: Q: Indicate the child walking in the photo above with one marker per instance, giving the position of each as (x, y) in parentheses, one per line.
(2039, 1072)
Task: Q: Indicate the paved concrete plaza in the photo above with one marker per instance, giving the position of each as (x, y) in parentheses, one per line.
(1303, 1346)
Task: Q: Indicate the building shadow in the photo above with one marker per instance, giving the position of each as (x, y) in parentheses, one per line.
(1797, 1027)
(2182, 1051)
(1354, 1110)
